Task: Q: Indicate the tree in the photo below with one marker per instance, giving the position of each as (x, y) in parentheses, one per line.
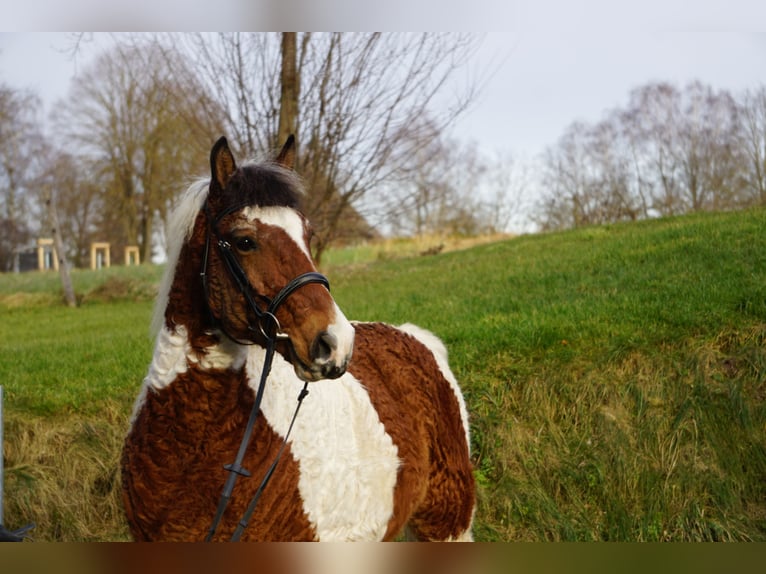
(689, 139)
(76, 191)
(134, 121)
(289, 87)
(654, 116)
(351, 105)
(707, 150)
(452, 188)
(753, 142)
(20, 142)
(567, 200)
(435, 199)
(669, 152)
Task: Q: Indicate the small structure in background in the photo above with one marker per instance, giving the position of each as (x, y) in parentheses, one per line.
(43, 256)
(47, 258)
(100, 255)
(132, 256)
(39, 256)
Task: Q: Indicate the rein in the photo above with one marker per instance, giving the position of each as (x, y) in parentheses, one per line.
(272, 334)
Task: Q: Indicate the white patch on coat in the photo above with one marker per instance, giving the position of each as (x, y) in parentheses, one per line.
(293, 224)
(283, 217)
(348, 463)
(344, 333)
(466, 536)
(436, 346)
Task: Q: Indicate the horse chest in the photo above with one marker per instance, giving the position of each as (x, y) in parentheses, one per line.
(348, 462)
(340, 471)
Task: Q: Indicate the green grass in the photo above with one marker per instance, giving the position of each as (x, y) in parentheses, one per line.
(67, 360)
(615, 377)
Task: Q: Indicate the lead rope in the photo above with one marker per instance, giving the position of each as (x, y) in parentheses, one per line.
(236, 469)
(267, 477)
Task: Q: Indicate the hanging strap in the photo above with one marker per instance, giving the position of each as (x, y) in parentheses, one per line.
(267, 477)
(236, 469)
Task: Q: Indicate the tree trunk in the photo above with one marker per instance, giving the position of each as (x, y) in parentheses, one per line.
(290, 89)
(66, 280)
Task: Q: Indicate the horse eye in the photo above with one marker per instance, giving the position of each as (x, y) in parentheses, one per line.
(244, 244)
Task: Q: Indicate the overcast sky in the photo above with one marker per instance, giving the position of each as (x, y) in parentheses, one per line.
(554, 61)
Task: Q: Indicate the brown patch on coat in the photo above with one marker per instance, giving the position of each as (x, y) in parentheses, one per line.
(186, 299)
(172, 465)
(435, 490)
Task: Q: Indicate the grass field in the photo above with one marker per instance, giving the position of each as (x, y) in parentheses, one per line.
(615, 377)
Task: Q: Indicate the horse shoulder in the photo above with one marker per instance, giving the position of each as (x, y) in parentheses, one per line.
(405, 360)
(405, 370)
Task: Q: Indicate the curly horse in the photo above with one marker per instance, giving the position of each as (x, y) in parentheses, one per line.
(381, 446)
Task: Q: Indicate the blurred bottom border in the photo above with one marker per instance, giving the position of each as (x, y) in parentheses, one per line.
(373, 558)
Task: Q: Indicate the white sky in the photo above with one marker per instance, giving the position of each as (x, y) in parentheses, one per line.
(556, 61)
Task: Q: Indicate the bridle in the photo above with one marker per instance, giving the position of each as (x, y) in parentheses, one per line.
(243, 284)
(272, 332)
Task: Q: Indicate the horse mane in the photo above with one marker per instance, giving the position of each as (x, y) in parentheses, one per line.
(264, 184)
(180, 226)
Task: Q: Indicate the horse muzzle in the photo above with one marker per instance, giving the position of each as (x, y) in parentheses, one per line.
(329, 353)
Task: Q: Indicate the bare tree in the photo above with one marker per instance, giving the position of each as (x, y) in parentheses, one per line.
(706, 148)
(290, 86)
(58, 243)
(753, 142)
(75, 190)
(655, 113)
(354, 94)
(20, 142)
(133, 122)
(669, 152)
(452, 188)
(504, 202)
(360, 103)
(564, 177)
(442, 197)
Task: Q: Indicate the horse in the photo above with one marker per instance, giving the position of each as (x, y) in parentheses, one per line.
(246, 332)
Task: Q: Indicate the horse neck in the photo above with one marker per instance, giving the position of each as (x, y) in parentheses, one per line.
(187, 314)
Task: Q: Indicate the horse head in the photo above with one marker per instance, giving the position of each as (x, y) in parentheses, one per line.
(261, 283)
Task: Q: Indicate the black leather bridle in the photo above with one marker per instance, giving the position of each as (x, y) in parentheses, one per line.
(272, 333)
(236, 272)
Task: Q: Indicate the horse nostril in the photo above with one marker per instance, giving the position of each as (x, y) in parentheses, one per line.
(323, 347)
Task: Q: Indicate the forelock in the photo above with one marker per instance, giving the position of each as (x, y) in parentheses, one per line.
(263, 185)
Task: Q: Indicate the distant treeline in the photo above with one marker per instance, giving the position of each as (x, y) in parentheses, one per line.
(669, 151)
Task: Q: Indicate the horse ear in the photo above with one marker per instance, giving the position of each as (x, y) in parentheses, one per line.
(222, 163)
(286, 157)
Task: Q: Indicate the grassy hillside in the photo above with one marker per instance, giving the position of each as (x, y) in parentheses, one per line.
(615, 378)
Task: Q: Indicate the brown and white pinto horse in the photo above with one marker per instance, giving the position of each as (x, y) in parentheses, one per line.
(380, 450)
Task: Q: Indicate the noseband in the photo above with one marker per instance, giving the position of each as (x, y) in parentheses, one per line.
(272, 333)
